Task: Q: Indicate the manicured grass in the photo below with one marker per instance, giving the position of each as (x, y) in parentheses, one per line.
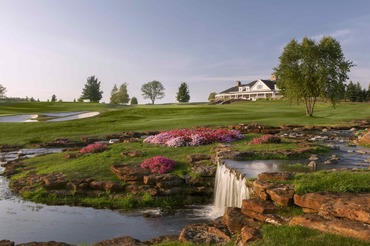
(164, 117)
(296, 235)
(325, 181)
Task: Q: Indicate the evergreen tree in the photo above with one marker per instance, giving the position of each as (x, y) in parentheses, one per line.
(183, 93)
(92, 91)
(351, 92)
(134, 101)
(2, 91)
(53, 98)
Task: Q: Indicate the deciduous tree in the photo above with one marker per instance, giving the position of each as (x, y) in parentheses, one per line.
(309, 71)
(92, 91)
(153, 90)
(212, 96)
(183, 94)
(53, 98)
(121, 95)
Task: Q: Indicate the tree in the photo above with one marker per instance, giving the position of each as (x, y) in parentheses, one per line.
(153, 90)
(309, 71)
(134, 101)
(113, 95)
(53, 98)
(121, 95)
(92, 91)
(183, 93)
(212, 96)
(2, 91)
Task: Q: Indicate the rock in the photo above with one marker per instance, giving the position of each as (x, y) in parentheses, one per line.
(162, 239)
(351, 206)
(108, 186)
(282, 195)
(341, 227)
(313, 200)
(204, 171)
(136, 189)
(258, 206)
(200, 181)
(235, 220)
(198, 157)
(275, 219)
(73, 155)
(55, 181)
(365, 139)
(247, 235)
(313, 158)
(120, 241)
(169, 180)
(134, 153)
(6, 243)
(51, 243)
(130, 172)
(312, 165)
(259, 187)
(203, 234)
(275, 176)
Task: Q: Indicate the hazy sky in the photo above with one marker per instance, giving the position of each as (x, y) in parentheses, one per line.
(50, 47)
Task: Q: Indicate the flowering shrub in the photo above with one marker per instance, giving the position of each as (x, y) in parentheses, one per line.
(93, 148)
(266, 139)
(194, 137)
(159, 164)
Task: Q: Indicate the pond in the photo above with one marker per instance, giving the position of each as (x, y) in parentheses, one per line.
(48, 117)
(22, 221)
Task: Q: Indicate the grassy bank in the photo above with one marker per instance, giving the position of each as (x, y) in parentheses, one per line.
(163, 117)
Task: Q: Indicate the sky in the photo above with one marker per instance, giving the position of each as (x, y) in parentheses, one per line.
(51, 47)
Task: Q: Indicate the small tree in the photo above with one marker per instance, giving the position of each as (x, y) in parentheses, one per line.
(2, 91)
(53, 98)
(134, 101)
(309, 71)
(113, 95)
(92, 91)
(153, 90)
(183, 93)
(212, 96)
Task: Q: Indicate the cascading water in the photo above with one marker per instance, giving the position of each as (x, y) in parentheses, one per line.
(230, 190)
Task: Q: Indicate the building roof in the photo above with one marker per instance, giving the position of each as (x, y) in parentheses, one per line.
(269, 83)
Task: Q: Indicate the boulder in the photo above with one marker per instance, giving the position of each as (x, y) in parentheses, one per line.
(51, 243)
(6, 243)
(247, 235)
(235, 220)
(120, 241)
(130, 172)
(136, 189)
(341, 227)
(259, 187)
(282, 195)
(348, 205)
(162, 239)
(259, 206)
(275, 176)
(198, 157)
(108, 186)
(169, 180)
(365, 139)
(313, 201)
(203, 234)
(204, 171)
(55, 181)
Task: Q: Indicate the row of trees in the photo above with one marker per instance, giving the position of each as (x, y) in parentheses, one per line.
(355, 93)
(153, 90)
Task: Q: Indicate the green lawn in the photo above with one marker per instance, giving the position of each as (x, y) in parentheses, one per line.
(162, 117)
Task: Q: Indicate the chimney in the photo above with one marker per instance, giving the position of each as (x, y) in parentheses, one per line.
(273, 77)
(238, 83)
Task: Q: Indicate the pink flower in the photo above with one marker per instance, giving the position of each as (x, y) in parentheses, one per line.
(159, 164)
(93, 148)
(266, 139)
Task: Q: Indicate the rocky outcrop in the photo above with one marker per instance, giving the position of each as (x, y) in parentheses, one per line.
(341, 227)
(130, 172)
(6, 243)
(121, 241)
(247, 235)
(51, 243)
(203, 234)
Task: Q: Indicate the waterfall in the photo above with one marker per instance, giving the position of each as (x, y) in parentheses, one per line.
(230, 190)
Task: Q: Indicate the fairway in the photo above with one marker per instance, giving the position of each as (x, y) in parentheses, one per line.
(113, 118)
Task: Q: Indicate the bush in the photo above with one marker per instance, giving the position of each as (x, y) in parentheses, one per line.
(194, 137)
(266, 139)
(93, 148)
(159, 164)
